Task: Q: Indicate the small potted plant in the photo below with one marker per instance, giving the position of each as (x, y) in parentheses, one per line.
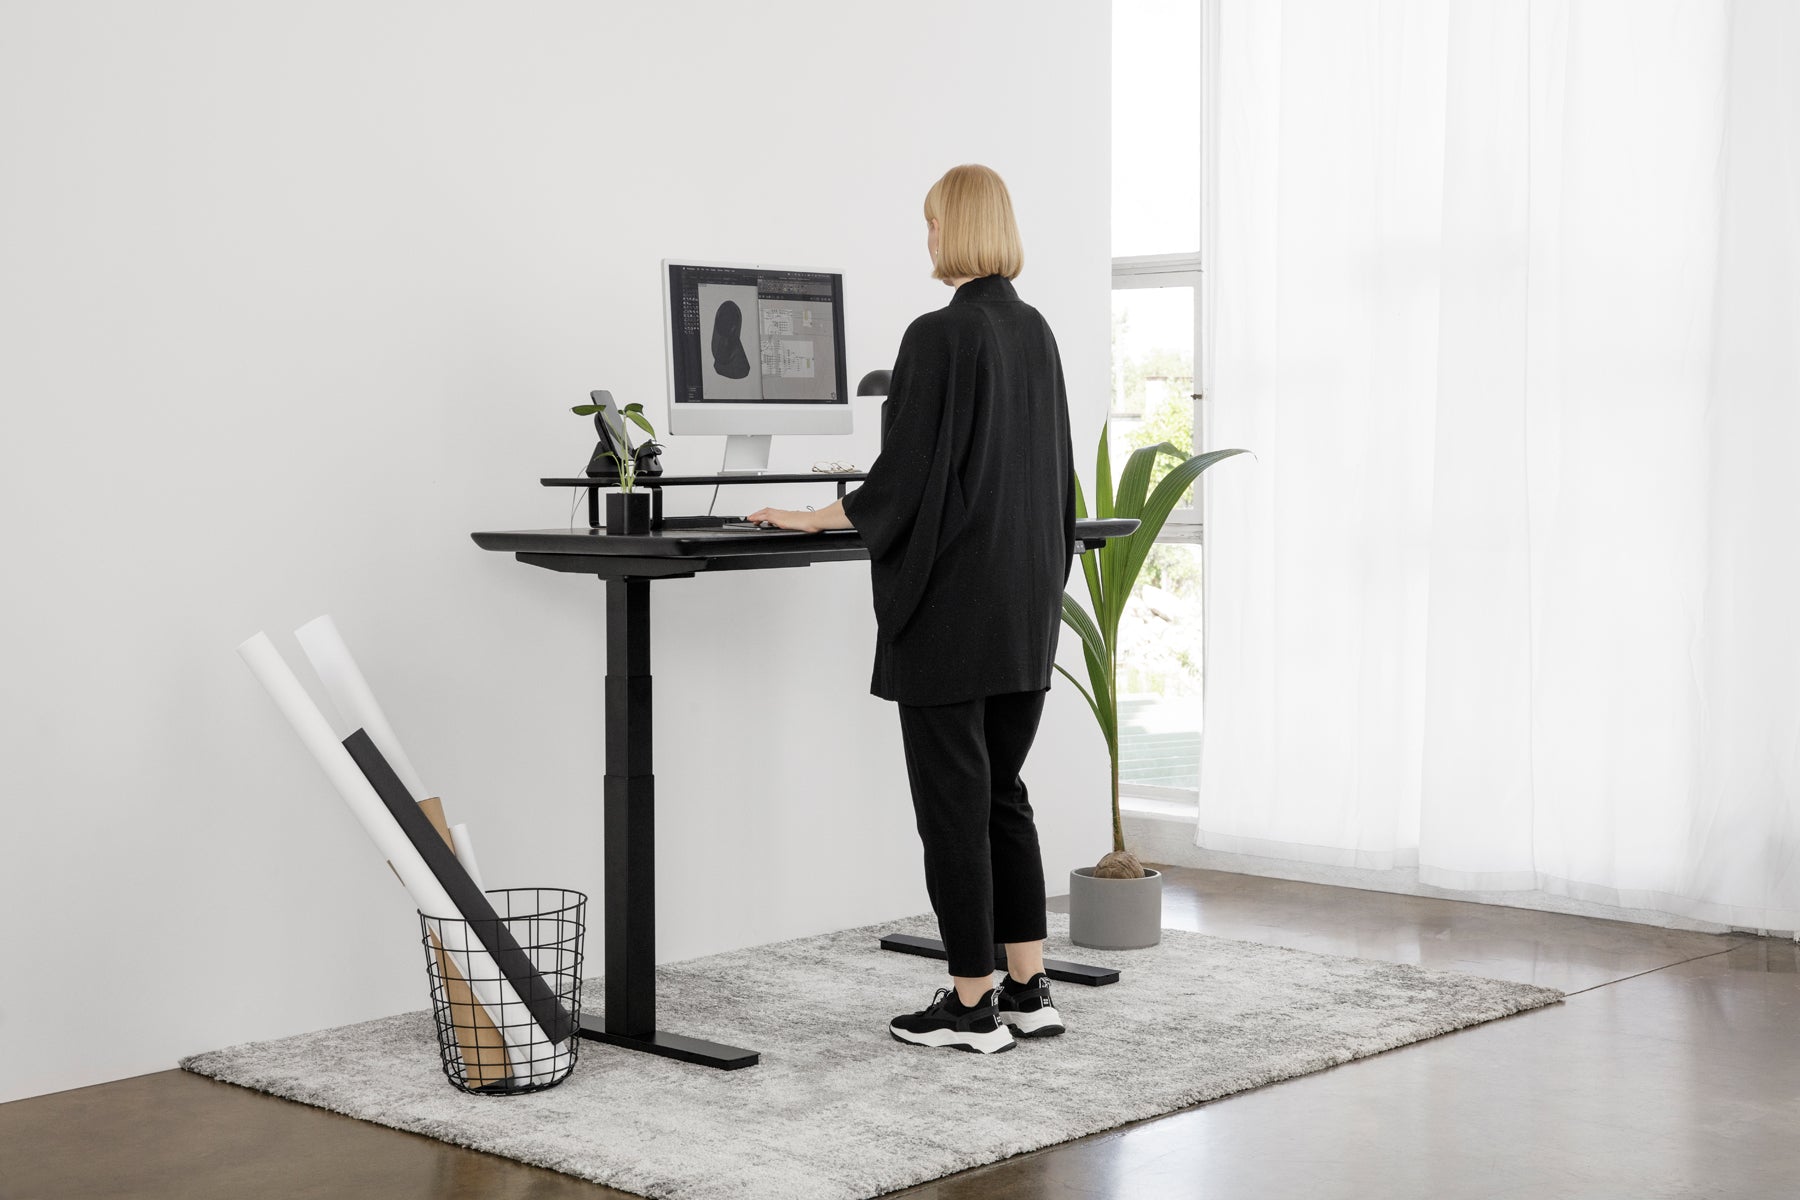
(628, 509)
(1117, 903)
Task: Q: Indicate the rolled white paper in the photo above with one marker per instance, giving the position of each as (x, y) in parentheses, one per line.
(465, 852)
(355, 700)
(527, 1046)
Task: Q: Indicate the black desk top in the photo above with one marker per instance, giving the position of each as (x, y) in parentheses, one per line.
(704, 543)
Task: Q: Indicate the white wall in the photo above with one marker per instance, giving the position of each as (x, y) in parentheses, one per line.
(292, 298)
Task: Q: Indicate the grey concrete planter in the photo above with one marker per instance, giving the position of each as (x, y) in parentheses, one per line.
(1115, 914)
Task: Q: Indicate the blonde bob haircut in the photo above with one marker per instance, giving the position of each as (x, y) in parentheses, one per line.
(976, 232)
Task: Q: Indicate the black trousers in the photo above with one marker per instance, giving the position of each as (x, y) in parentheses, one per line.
(983, 870)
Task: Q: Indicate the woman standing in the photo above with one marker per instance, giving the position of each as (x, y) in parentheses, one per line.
(969, 517)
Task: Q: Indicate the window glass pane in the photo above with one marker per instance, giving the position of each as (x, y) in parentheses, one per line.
(1153, 374)
(1155, 127)
(1159, 672)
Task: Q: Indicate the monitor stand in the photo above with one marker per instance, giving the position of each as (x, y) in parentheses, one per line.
(746, 454)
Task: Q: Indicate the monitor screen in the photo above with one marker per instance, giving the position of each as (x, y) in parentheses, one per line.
(755, 335)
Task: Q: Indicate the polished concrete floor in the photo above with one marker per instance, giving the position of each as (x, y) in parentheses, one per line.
(1672, 1070)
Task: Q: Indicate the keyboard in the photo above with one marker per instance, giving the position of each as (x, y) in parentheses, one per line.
(748, 527)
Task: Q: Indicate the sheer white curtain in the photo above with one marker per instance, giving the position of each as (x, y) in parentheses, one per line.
(1506, 301)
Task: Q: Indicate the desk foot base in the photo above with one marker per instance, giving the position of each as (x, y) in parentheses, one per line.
(1056, 968)
(673, 1045)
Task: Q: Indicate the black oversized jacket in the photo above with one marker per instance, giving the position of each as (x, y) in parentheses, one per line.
(969, 511)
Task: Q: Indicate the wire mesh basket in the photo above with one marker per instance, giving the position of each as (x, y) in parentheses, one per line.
(488, 1040)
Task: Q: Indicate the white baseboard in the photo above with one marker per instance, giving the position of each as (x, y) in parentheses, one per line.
(1169, 841)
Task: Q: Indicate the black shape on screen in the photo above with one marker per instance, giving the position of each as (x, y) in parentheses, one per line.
(728, 342)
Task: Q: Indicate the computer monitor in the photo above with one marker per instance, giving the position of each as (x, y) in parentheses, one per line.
(754, 350)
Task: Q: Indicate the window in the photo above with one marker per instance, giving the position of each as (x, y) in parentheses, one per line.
(1159, 122)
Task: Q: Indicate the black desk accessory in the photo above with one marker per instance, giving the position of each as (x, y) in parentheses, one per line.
(539, 997)
(627, 566)
(646, 459)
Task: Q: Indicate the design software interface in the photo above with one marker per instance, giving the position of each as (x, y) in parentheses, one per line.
(744, 334)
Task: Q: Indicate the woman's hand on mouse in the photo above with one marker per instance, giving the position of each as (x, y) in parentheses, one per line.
(784, 518)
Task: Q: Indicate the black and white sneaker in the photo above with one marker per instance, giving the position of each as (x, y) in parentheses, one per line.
(1027, 1008)
(945, 1022)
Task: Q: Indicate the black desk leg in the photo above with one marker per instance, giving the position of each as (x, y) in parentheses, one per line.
(630, 820)
(1055, 968)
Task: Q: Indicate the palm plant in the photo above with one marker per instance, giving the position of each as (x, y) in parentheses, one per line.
(1112, 570)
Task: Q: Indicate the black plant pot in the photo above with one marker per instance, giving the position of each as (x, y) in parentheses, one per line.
(628, 512)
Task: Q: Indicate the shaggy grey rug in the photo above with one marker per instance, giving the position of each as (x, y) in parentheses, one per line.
(837, 1110)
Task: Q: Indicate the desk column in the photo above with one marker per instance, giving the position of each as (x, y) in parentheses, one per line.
(630, 798)
(630, 825)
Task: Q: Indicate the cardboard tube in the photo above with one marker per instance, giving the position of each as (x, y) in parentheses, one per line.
(479, 1044)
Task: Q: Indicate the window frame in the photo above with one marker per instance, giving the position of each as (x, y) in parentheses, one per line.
(1186, 269)
(1186, 522)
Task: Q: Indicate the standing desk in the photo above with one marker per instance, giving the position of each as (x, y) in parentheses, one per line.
(681, 548)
